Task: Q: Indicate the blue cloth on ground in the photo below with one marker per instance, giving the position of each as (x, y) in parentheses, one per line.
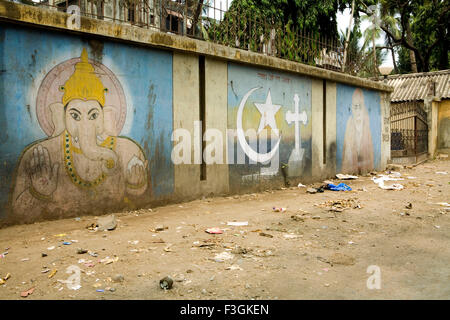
(339, 187)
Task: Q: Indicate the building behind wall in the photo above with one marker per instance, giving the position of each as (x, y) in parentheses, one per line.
(420, 115)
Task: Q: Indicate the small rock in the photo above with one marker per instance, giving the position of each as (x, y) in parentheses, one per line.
(311, 190)
(81, 251)
(166, 283)
(298, 218)
(409, 206)
(262, 234)
(118, 278)
(44, 255)
(343, 259)
(107, 223)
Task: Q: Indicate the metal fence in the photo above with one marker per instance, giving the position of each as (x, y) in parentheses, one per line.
(211, 21)
(409, 129)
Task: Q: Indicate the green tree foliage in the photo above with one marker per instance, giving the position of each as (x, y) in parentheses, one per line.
(424, 30)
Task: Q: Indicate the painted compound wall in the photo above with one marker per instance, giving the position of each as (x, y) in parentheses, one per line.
(269, 126)
(443, 130)
(91, 126)
(86, 125)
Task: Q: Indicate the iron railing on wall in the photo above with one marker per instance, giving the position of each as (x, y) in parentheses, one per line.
(409, 129)
(211, 21)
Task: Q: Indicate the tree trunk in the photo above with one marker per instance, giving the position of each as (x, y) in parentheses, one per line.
(412, 54)
(393, 54)
(347, 38)
(375, 69)
(197, 15)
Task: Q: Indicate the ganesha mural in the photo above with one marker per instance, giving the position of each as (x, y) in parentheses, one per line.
(84, 162)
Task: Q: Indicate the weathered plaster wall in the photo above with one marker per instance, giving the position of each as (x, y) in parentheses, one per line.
(443, 127)
(119, 141)
(188, 183)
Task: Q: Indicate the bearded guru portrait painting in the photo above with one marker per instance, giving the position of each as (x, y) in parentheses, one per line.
(102, 148)
(358, 130)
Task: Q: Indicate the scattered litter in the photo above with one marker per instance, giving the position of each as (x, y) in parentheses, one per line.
(100, 290)
(81, 251)
(52, 273)
(341, 176)
(166, 283)
(340, 204)
(214, 231)
(279, 209)
(233, 267)
(133, 242)
(77, 219)
(25, 259)
(60, 235)
(411, 177)
(339, 187)
(43, 255)
(221, 257)
(160, 227)
(238, 224)
(290, 236)
(262, 234)
(25, 294)
(93, 254)
(109, 260)
(3, 280)
(437, 227)
(301, 185)
(67, 243)
(107, 223)
(311, 190)
(441, 172)
(444, 204)
(409, 206)
(45, 270)
(380, 182)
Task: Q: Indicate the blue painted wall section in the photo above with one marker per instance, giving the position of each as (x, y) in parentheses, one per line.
(135, 119)
(276, 107)
(358, 129)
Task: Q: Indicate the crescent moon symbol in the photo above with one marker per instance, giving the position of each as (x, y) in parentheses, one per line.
(252, 154)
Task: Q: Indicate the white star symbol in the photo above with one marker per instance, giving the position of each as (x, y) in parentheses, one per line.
(268, 111)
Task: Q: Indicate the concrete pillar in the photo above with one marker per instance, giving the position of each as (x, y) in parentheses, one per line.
(385, 106)
(317, 129)
(185, 111)
(331, 125)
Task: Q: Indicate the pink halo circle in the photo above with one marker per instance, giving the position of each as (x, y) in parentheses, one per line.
(49, 93)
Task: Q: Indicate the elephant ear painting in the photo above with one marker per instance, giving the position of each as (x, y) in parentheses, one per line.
(83, 162)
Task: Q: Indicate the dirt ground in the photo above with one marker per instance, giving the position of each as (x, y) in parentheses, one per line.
(317, 254)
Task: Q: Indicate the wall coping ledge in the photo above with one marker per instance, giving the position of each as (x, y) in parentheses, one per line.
(51, 19)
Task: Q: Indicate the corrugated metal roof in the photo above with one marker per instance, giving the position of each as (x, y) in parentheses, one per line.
(417, 86)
